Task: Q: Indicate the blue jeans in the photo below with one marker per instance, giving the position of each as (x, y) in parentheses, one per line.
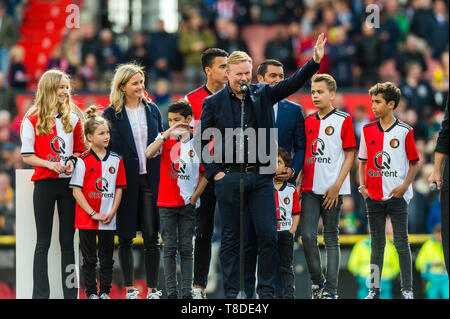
(4, 64)
(312, 209)
(260, 210)
(177, 231)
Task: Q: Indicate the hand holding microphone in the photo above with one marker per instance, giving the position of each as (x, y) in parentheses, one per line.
(435, 181)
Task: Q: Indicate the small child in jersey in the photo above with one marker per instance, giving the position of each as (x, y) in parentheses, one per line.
(288, 216)
(388, 164)
(97, 183)
(181, 184)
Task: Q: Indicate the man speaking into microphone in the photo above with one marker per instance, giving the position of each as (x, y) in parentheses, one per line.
(220, 119)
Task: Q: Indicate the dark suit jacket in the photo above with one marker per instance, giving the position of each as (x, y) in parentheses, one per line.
(291, 132)
(442, 147)
(122, 143)
(217, 112)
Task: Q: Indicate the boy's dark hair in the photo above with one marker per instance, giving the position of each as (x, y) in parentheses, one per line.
(209, 55)
(285, 156)
(180, 106)
(388, 90)
(262, 68)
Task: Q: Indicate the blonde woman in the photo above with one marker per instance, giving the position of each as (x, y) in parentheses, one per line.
(52, 138)
(135, 123)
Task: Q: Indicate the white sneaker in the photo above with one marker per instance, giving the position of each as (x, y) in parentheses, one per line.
(132, 293)
(316, 291)
(407, 294)
(105, 296)
(198, 294)
(93, 296)
(154, 295)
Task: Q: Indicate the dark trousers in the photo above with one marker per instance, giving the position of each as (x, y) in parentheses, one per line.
(377, 211)
(312, 209)
(46, 193)
(148, 223)
(177, 231)
(88, 247)
(203, 235)
(286, 251)
(444, 223)
(260, 208)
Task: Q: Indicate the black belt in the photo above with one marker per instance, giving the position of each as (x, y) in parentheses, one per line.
(247, 168)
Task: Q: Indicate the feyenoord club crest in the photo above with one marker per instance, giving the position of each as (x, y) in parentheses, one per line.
(329, 130)
(394, 143)
(286, 200)
(112, 170)
(191, 153)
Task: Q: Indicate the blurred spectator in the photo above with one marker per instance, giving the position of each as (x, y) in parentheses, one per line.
(139, 51)
(193, 39)
(294, 34)
(18, 77)
(163, 99)
(360, 119)
(7, 97)
(7, 213)
(430, 264)
(10, 160)
(359, 265)
(439, 33)
(89, 72)
(163, 46)
(368, 55)
(422, 20)
(341, 55)
(226, 8)
(440, 81)
(350, 220)
(344, 15)
(72, 50)
(279, 48)
(410, 53)
(397, 13)
(416, 89)
(58, 60)
(90, 42)
(389, 34)
(265, 11)
(434, 215)
(110, 54)
(231, 40)
(8, 38)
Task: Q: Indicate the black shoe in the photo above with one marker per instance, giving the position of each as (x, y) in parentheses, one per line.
(172, 296)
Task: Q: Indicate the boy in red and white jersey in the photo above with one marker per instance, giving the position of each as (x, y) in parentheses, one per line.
(181, 184)
(388, 159)
(288, 217)
(330, 145)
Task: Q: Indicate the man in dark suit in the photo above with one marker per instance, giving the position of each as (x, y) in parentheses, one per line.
(290, 122)
(221, 115)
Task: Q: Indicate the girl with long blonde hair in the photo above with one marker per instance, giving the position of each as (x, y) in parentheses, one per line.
(52, 138)
(135, 123)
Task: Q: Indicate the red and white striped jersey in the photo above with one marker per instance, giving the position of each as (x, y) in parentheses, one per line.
(388, 155)
(286, 199)
(195, 98)
(57, 146)
(98, 180)
(180, 173)
(327, 140)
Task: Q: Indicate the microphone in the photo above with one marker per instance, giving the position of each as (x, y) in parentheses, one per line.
(245, 88)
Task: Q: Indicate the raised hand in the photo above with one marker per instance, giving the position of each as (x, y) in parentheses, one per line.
(319, 48)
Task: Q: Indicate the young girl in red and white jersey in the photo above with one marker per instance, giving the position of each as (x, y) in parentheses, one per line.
(97, 183)
(52, 137)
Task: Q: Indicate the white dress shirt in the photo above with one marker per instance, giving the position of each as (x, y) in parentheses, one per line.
(138, 123)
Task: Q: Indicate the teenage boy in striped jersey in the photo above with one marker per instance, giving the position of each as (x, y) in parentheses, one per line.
(329, 155)
(388, 165)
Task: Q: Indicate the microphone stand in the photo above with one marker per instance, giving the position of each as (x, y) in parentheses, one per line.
(241, 294)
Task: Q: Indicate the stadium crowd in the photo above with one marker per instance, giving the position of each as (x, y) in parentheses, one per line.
(409, 48)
